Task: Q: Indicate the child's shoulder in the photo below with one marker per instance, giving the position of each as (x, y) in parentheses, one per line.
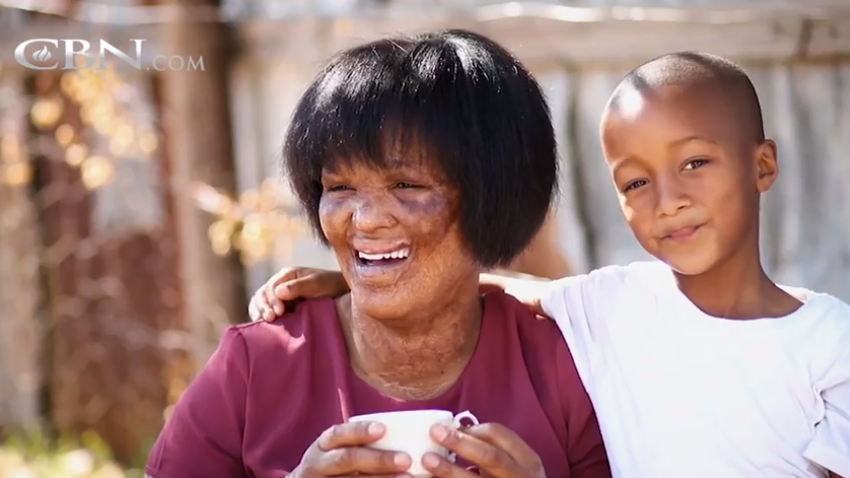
(821, 326)
(825, 307)
(824, 311)
(641, 269)
(824, 335)
(635, 275)
(608, 286)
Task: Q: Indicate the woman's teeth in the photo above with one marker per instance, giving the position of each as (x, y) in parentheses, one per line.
(399, 254)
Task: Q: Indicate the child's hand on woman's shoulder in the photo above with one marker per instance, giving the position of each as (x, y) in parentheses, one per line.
(293, 283)
(290, 284)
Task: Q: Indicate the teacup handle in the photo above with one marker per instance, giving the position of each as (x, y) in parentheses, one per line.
(458, 423)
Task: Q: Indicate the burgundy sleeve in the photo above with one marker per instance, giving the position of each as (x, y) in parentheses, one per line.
(585, 449)
(203, 436)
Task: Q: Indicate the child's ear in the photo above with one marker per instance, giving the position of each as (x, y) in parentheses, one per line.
(767, 165)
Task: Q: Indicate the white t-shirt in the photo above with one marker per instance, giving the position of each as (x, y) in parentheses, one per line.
(679, 393)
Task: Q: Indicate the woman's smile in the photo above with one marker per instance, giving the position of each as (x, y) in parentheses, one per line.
(384, 263)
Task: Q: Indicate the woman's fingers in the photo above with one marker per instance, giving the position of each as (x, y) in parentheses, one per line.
(350, 434)
(440, 466)
(506, 440)
(342, 451)
(476, 451)
(361, 460)
(313, 473)
(489, 457)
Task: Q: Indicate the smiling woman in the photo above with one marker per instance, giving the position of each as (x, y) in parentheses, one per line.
(420, 162)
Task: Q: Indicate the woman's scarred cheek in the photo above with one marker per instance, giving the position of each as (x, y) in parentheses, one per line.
(332, 212)
(432, 212)
(429, 214)
(328, 205)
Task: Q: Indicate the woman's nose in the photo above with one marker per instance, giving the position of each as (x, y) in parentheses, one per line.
(373, 213)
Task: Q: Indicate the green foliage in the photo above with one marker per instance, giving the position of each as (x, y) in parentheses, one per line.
(37, 456)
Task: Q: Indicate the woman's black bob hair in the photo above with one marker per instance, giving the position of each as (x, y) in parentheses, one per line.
(468, 103)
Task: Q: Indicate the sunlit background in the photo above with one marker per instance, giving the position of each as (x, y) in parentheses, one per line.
(139, 208)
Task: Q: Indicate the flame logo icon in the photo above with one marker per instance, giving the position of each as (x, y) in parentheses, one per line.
(42, 55)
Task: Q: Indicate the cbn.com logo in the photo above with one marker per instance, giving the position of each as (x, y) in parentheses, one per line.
(76, 54)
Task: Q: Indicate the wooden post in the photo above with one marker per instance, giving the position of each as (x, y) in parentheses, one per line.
(21, 330)
(198, 139)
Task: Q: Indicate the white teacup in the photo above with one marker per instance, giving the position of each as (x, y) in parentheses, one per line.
(409, 432)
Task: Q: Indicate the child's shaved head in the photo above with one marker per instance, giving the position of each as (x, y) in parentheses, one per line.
(684, 141)
(699, 73)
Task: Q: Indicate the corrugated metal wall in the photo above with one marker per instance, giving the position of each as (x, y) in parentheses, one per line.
(301, 7)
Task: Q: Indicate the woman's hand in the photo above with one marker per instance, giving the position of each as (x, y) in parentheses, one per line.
(341, 451)
(494, 449)
(291, 284)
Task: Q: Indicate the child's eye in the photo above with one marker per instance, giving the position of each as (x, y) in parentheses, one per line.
(634, 185)
(696, 163)
(338, 187)
(406, 185)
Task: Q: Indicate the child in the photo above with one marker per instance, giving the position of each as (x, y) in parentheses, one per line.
(698, 365)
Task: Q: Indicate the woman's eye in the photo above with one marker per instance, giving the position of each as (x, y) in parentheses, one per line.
(405, 185)
(338, 187)
(634, 185)
(696, 163)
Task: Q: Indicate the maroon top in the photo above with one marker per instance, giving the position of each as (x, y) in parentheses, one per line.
(271, 389)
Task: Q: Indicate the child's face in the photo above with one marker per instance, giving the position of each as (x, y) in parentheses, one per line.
(688, 176)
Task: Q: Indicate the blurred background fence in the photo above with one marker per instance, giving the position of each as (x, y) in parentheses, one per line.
(138, 208)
